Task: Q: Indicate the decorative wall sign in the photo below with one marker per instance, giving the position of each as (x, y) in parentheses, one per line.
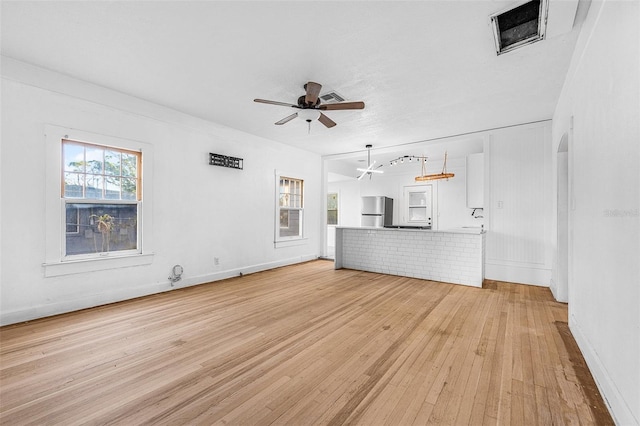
(225, 161)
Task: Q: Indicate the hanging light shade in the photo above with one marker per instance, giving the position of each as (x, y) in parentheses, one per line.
(309, 115)
(444, 175)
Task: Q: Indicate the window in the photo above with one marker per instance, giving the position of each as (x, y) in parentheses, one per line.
(290, 209)
(419, 205)
(332, 209)
(68, 203)
(102, 195)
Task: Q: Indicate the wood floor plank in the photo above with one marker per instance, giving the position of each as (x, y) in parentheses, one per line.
(304, 344)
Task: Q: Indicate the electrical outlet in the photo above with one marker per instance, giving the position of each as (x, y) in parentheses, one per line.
(216, 260)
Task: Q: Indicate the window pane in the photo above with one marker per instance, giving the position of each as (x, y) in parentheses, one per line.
(73, 220)
(418, 214)
(332, 201)
(73, 185)
(112, 163)
(291, 191)
(73, 157)
(332, 209)
(129, 189)
(102, 228)
(284, 192)
(94, 159)
(417, 198)
(300, 194)
(95, 185)
(284, 200)
(290, 223)
(284, 219)
(129, 165)
(112, 188)
(332, 217)
(103, 170)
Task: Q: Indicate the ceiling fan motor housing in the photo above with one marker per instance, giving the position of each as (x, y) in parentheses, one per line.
(302, 103)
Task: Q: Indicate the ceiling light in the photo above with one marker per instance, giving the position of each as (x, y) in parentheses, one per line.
(410, 157)
(369, 170)
(309, 115)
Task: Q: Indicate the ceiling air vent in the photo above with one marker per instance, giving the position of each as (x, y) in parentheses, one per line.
(520, 25)
(331, 97)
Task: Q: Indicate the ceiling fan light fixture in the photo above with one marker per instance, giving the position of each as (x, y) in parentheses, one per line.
(309, 115)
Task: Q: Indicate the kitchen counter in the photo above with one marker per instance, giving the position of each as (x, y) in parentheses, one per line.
(453, 255)
(458, 230)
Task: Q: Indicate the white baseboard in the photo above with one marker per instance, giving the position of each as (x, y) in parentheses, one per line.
(517, 274)
(93, 300)
(558, 294)
(230, 273)
(616, 404)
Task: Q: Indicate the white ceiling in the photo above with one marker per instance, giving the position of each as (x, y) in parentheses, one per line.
(425, 69)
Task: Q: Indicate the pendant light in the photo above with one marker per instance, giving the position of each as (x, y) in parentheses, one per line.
(369, 170)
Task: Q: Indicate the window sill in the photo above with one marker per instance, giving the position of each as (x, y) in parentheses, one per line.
(290, 243)
(90, 265)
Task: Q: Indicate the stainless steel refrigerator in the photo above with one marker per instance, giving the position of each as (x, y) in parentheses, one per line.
(377, 211)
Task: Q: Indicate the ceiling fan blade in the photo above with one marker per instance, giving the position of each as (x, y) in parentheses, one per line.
(287, 119)
(326, 120)
(342, 105)
(313, 90)
(264, 101)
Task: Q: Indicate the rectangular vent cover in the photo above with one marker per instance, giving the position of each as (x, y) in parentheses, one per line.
(519, 26)
(331, 97)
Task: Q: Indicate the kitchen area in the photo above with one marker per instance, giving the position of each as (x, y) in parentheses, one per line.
(409, 231)
(480, 214)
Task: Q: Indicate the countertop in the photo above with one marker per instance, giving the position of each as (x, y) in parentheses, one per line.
(476, 230)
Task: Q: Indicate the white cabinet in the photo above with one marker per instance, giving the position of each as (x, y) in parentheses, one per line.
(475, 181)
(418, 205)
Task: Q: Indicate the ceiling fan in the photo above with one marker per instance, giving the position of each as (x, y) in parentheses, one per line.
(310, 106)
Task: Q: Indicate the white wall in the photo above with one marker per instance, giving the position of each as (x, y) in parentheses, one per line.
(601, 95)
(198, 211)
(518, 204)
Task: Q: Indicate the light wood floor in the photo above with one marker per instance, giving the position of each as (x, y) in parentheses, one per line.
(304, 345)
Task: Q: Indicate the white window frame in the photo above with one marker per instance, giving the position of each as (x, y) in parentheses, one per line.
(296, 239)
(56, 262)
(104, 201)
